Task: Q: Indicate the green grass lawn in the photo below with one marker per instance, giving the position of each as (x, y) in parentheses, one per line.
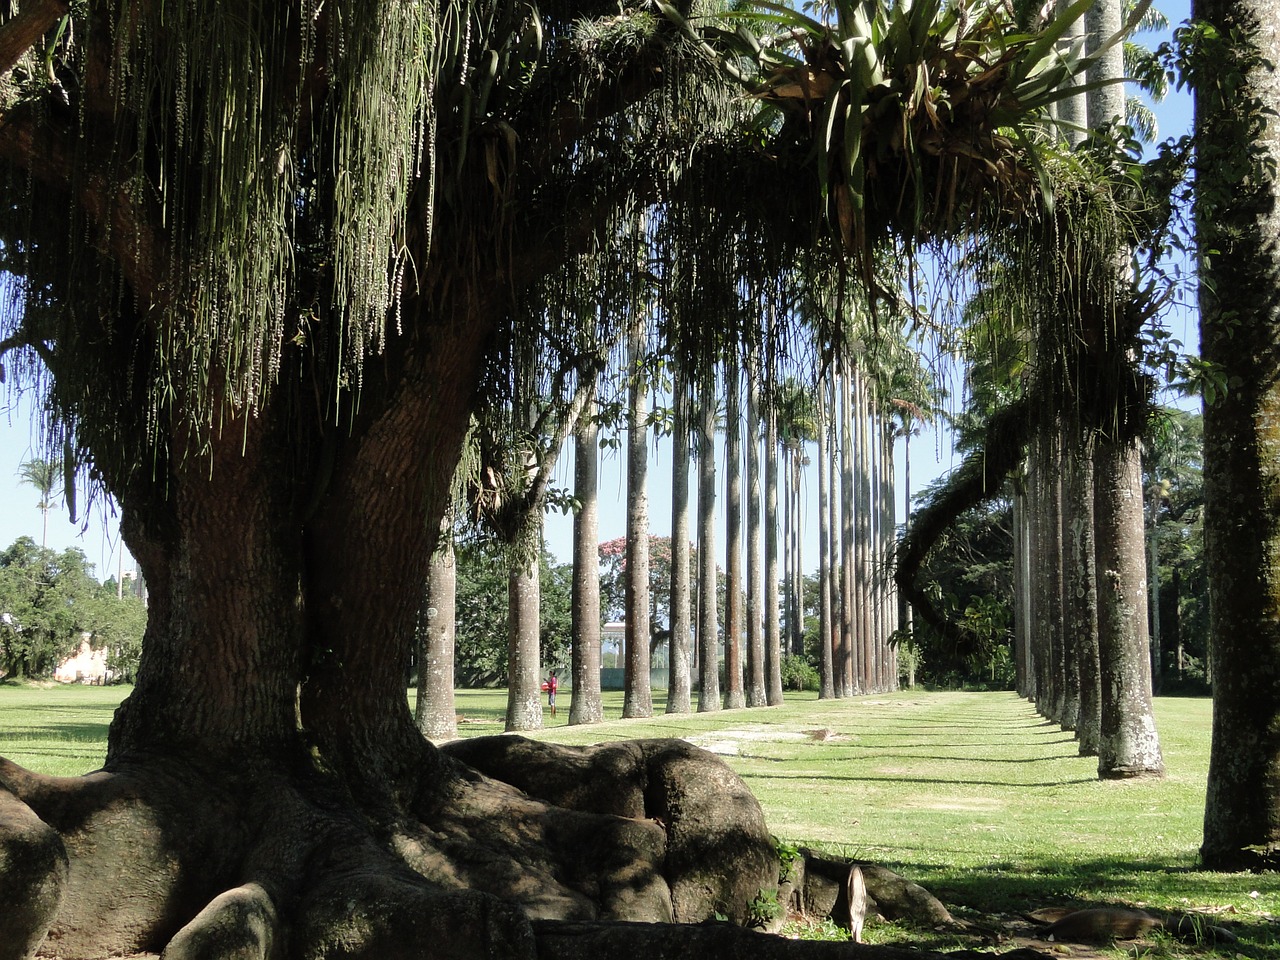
(970, 794)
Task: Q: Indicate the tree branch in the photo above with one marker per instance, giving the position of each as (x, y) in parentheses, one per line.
(975, 481)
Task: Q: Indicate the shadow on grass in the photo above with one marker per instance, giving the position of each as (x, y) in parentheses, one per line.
(53, 730)
(1016, 888)
(874, 778)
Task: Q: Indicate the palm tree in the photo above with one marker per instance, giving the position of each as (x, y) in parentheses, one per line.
(734, 694)
(757, 695)
(772, 609)
(1128, 745)
(638, 696)
(708, 622)
(826, 688)
(434, 711)
(585, 705)
(44, 475)
(680, 682)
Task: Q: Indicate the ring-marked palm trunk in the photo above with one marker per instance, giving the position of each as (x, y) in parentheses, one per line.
(638, 695)
(734, 695)
(680, 681)
(585, 705)
(434, 711)
(708, 621)
(1129, 745)
(757, 695)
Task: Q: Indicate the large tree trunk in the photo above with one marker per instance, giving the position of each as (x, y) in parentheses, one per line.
(434, 712)
(680, 683)
(1238, 218)
(734, 695)
(586, 705)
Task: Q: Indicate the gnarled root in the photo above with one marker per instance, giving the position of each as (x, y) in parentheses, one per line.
(234, 858)
(240, 924)
(33, 877)
(719, 854)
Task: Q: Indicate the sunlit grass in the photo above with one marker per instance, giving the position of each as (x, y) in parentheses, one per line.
(971, 794)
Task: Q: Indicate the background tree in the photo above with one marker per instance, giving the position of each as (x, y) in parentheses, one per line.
(50, 603)
(44, 475)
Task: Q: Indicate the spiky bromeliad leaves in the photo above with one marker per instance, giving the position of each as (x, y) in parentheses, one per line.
(918, 118)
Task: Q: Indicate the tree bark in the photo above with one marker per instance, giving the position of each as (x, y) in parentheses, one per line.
(1238, 219)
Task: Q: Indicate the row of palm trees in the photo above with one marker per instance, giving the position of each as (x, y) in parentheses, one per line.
(735, 654)
(1081, 634)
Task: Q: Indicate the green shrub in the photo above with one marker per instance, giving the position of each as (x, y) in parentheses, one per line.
(798, 673)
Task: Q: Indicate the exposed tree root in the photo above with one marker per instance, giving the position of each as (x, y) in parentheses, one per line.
(33, 877)
(268, 859)
(531, 850)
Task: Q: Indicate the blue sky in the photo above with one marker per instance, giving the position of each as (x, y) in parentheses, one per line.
(97, 531)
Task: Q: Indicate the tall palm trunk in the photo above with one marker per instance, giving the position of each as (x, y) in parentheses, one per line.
(1081, 589)
(839, 651)
(637, 697)
(851, 669)
(795, 621)
(586, 705)
(1020, 633)
(756, 693)
(826, 688)
(772, 611)
(524, 601)
(680, 682)
(862, 533)
(1053, 575)
(1239, 216)
(888, 516)
(434, 712)
(708, 625)
(734, 696)
(1128, 745)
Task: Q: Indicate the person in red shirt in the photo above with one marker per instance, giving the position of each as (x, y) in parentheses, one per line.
(551, 685)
